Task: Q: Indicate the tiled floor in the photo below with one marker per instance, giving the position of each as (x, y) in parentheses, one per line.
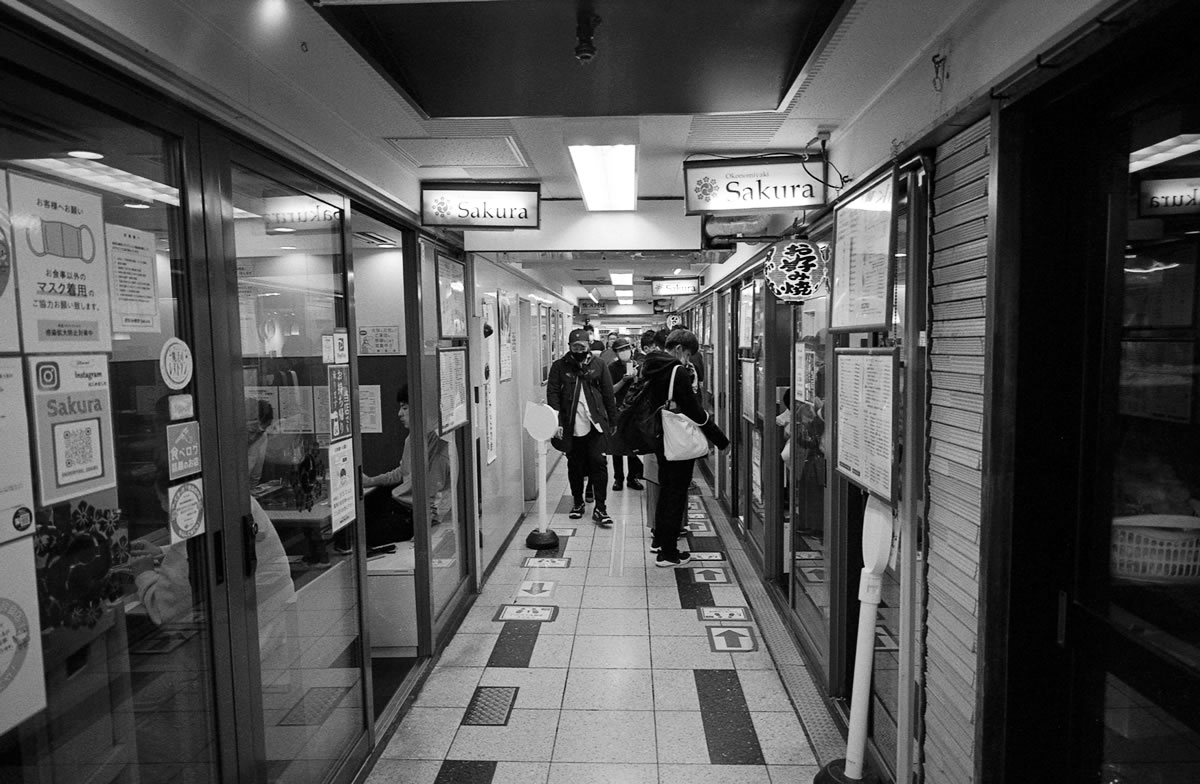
(633, 680)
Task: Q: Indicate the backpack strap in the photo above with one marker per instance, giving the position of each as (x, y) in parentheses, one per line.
(671, 386)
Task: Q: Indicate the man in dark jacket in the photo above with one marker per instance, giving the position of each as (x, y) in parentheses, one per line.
(581, 391)
(623, 372)
(674, 476)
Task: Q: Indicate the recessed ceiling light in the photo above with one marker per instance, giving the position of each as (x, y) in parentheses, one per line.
(607, 175)
(287, 247)
(135, 204)
(281, 230)
(624, 302)
(87, 155)
(623, 293)
(621, 278)
(677, 270)
(386, 245)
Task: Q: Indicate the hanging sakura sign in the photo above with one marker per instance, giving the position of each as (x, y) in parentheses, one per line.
(797, 270)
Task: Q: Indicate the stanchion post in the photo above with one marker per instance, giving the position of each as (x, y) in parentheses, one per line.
(541, 422)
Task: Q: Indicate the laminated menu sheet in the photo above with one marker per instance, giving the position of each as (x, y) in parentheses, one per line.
(866, 436)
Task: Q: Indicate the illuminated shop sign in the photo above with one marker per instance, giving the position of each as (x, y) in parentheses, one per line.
(674, 287)
(742, 185)
(480, 205)
(1170, 197)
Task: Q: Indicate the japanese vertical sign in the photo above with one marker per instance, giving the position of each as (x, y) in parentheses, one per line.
(133, 279)
(62, 268)
(73, 428)
(340, 422)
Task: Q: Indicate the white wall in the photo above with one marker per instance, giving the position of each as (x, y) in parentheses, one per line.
(568, 226)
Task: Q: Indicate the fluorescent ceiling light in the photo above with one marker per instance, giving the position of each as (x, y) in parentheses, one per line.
(1164, 151)
(677, 270)
(607, 175)
(623, 293)
(621, 278)
(592, 294)
(624, 302)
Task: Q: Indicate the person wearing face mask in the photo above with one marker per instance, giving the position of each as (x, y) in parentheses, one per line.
(623, 371)
(674, 476)
(580, 389)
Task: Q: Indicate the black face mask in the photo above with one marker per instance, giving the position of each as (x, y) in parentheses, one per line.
(580, 354)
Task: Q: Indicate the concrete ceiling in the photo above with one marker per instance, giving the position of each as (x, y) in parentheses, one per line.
(864, 46)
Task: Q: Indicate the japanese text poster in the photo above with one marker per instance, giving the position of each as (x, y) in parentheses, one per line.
(133, 279)
(340, 422)
(341, 483)
(62, 269)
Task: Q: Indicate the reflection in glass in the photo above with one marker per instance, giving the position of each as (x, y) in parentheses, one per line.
(120, 593)
(295, 378)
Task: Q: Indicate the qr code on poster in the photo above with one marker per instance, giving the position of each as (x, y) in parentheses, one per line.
(77, 450)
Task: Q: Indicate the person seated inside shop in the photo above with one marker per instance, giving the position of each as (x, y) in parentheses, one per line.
(390, 520)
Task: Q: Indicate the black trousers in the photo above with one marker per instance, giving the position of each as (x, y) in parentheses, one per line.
(674, 476)
(635, 467)
(586, 461)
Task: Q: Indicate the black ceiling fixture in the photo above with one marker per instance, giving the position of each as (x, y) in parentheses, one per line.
(585, 31)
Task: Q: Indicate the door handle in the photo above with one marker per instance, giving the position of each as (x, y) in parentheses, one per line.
(249, 536)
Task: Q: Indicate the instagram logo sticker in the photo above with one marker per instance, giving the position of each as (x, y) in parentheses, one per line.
(47, 376)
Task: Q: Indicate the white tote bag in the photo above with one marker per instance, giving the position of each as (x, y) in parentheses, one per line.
(682, 438)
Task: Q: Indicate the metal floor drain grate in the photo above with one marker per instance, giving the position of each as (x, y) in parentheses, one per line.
(314, 707)
(491, 706)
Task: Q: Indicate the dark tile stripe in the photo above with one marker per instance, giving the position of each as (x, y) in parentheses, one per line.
(728, 730)
(692, 595)
(466, 772)
(514, 647)
(706, 543)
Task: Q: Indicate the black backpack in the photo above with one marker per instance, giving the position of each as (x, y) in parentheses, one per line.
(638, 424)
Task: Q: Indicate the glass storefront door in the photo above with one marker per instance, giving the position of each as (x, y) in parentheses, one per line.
(108, 487)
(301, 472)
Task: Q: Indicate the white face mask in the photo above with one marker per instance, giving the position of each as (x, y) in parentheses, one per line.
(624, 354)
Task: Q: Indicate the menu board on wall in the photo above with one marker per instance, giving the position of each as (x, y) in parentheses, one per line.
(866, 437)
(746, 317)
(452, 298)
(62, 267)
(452, 382)
(861, 264)
(748, 389)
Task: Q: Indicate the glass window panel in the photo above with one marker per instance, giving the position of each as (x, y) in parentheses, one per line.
(299, 423)
(118, 550)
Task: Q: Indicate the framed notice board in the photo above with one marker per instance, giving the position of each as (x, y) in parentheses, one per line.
(865, 418)
(861, 298)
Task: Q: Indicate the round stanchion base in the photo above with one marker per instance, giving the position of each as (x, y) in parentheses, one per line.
(541, 540)
(835, 773)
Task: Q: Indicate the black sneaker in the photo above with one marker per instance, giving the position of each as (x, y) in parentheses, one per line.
(635, 484)
(576, 512)
(675, 559)
(588, 495)
(601, 518)
(683, 532)
(617, 485)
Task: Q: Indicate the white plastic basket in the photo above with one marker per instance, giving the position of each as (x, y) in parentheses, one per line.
(1156, 549)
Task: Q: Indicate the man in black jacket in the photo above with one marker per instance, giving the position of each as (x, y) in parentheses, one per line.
(674, 476)
(581, 391)
(623, 371)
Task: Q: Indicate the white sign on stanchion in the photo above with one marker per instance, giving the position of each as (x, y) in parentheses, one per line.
(541, 422)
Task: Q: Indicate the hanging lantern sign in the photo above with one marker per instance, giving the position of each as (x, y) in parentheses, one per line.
(797, 270)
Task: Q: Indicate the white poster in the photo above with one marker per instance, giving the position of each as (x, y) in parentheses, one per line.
(132, 279)
(62, 268)
(491, 382)
(506, 303)
(22, 681)
(379, 340)
(72, 417)
(10, 338)
(369, 418)
(861, 268)
(865, 433)
(321, 408)
(341, 483)
(185, 510)
(295, 413)
(16, 479)
(452, 378)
